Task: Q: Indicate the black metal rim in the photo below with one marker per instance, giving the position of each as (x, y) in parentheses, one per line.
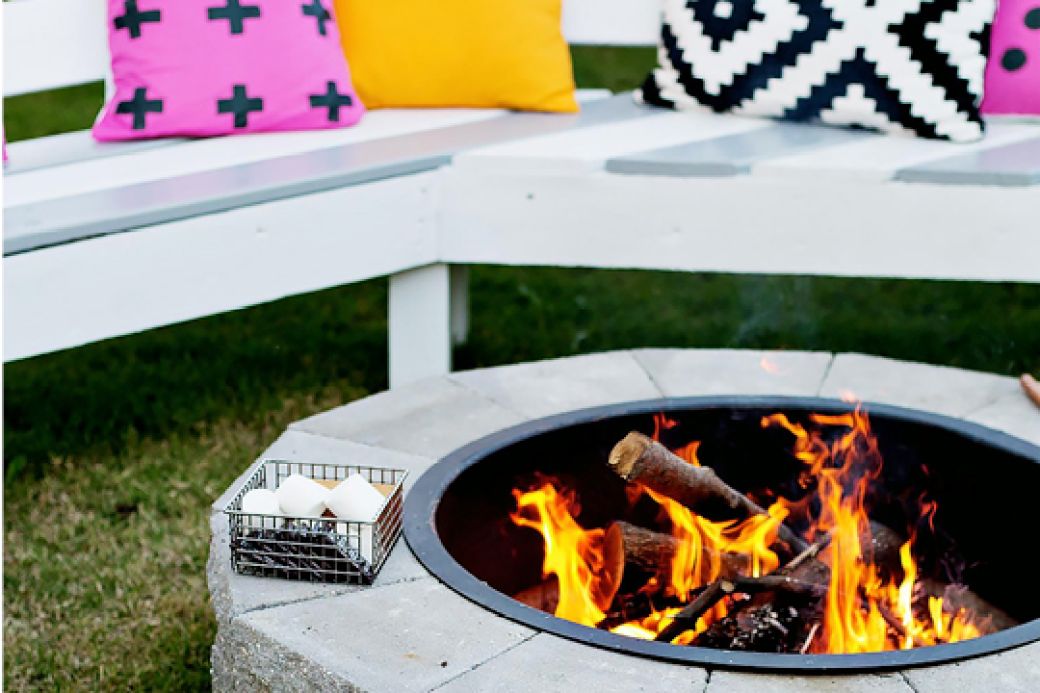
(421, 534)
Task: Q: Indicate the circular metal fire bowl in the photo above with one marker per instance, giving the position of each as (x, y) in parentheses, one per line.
(421, 532)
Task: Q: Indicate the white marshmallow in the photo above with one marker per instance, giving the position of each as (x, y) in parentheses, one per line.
(260, 501)
(355, 500)
(301, 497)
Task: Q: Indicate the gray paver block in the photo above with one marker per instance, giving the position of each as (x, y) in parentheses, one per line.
(547, 663)
(739, 682)
(697, 372)
(245, 660)
(550, 387)
(1014, 671)
(950, 391)
(429, 418)
(1013, 414)
(412, 636)
(233, 594)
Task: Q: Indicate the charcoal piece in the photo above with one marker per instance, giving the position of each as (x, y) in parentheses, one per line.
(765, 629)
(301, 551)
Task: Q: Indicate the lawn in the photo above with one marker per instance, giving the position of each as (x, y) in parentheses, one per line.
(114, 451)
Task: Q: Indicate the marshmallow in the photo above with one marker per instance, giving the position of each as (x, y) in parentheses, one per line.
(260, 501)
(301, 497)
(355, 500)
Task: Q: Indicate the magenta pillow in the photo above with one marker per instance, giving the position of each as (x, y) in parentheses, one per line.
(216, 67)
(1013, 71)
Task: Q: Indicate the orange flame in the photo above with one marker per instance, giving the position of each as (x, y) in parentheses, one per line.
(861, 611)
(859, 608)
(574, 555)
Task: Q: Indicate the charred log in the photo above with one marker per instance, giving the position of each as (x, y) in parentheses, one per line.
(629, 546)
(545, 596)
(804, 577)
(885, 544)
(638, 459)
(765, 628)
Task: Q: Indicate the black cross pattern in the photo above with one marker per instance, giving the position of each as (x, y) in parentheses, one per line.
(331, 100)
(318, 11)
(235, 13)
(132, 18)
(140, 106)
(241, 105)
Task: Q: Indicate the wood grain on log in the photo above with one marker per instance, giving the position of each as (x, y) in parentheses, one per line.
(639, 459)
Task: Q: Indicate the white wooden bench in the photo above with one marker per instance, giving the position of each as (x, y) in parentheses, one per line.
(106, 240)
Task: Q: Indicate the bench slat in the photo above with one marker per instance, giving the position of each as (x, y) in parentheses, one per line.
(73, 294)
(50, 44)
(196, 156)
(880, 158)
(1010, 165)
(734, 154)
(612, 22)
(589, 149)
(71, 148)
(122, 208)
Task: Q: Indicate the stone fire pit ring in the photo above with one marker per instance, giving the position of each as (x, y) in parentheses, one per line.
(408, 632)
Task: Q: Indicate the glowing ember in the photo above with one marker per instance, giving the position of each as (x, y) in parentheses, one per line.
(863, 610)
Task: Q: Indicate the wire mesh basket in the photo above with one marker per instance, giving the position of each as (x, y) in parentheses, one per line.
(315, 549)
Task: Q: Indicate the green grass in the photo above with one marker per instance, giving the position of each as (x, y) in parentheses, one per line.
(114, 451)
(51, 112)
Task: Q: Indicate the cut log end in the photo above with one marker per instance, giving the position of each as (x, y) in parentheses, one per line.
(627, 452)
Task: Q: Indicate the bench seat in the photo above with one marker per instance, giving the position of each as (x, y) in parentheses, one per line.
(150, 233)
(68, 187)
(705, 192)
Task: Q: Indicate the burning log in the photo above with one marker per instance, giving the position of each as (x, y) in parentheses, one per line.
(885, 544)
(984, 616)
(653, 552)
(762, 629)
(544, 596)
(641, 460)
(626, 544)
(801, 577)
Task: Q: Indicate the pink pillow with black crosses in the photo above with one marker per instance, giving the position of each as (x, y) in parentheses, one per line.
(215, 67)
(1013, 71)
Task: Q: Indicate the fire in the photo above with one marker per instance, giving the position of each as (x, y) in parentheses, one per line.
(859, 609)
(574, 555)
(863, 610)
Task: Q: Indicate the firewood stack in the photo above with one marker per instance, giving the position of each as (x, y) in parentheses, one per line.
(778, 612)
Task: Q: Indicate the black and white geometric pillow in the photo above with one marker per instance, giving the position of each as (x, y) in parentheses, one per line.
(890, 65)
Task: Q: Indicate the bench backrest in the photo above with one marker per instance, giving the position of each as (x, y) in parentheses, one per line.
(50, 44)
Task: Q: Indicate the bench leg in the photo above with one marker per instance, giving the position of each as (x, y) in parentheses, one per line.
(459, 304)
(420, 324)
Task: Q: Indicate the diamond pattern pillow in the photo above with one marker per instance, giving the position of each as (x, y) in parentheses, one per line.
(216, 67)
(1013, 73)
(889, 65)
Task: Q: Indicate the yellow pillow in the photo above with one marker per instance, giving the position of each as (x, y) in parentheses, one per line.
(463, 53)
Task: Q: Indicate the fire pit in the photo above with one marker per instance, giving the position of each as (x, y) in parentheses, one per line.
(870, 537)
(411, 632)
